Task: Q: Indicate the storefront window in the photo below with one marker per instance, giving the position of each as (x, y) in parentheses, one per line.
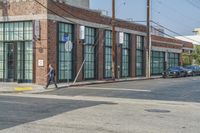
(65, 60)
(173, 59)
(140, 56)
(125, 69)
(108, 55)
(1, 60)
(16, 51)
(157, 62)
(89, 53)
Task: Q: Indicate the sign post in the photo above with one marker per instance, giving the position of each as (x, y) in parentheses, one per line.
(68, 48)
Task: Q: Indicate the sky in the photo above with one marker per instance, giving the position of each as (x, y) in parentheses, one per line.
(180, 16)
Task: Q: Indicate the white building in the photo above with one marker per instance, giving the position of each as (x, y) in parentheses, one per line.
(195, 39)
(79, 3)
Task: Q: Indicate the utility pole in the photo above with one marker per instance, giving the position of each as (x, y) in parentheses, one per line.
(148, 53)
(113, 40)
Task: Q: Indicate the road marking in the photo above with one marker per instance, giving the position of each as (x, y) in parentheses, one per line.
(118, 89)
(23, 88)
(13, 102)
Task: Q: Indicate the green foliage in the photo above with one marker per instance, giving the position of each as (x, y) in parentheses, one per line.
(196, 55)
(186, 59)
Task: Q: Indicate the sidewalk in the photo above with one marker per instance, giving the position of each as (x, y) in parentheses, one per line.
(7, 87)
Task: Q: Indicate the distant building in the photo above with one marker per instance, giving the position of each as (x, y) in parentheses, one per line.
(195, 39)
(158, 31)
(78, 3)
(31, 37)
(197, 31)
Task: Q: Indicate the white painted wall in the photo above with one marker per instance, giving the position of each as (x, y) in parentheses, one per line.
(79, 3)
(195, 39)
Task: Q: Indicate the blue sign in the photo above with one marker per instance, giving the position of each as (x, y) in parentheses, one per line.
(65, 38)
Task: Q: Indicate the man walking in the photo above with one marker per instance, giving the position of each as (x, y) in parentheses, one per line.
(51, 76)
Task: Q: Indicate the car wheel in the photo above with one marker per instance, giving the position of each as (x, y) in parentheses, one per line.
(177, 75)
(193, 74)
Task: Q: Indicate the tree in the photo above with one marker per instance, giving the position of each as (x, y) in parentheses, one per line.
(186, 58)
(196, 55)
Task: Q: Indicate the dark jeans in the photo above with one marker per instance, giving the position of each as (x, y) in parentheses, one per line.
(51, 80)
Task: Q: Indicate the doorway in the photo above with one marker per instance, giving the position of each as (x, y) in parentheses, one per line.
(10, 50)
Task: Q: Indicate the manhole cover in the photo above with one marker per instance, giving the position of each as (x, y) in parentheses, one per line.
(157, 110)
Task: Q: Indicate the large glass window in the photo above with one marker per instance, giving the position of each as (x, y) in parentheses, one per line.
(173, 59)
(108, 54)
(20, 31)
(157, 62)
(24, 61)
(65, 58)
(140, 56)
(16, 51)
(1, 31)
(1, 60)
(125, 69)
(89, 53)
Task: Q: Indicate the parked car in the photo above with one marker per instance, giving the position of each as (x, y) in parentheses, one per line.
(176, 72)
(189, 71)
(195, 70)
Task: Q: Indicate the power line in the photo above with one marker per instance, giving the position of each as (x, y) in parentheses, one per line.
(168, 17)
(175, 32)
(97, 35)
(193, 4)
(177, 11)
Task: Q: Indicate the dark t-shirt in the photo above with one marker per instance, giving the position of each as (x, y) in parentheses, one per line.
(51, 73)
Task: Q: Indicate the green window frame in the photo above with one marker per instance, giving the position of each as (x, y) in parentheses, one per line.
(173, 59)
(108, 54)
(65, 58)
(89, 53)
(19, 35)
(157, 62)
(1, 60)
(139, 56)
(125, 65)
(17, 31)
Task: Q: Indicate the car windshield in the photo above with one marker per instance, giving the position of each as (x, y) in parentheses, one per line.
(173, 68)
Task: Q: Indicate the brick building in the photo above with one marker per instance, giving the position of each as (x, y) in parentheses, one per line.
(31, 37)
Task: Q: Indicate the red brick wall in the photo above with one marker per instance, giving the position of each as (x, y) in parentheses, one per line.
(52, 44)
(41, 53)
(118, 56)
(22, 8)
(133, 56)
(89, 15)
(100, 55)
(78, 54)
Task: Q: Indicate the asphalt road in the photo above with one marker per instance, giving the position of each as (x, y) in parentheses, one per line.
(174, 89)
(160, 105)
(19, 110)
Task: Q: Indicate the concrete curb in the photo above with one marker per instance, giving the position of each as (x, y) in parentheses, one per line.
(40, 89)
(107, 81)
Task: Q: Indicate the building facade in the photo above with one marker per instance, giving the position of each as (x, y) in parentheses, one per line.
(31, 37)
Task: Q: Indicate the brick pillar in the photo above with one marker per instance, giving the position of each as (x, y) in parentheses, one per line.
(118, 56)
(133, 56)
(41, 53)
(53, 45)
(78, 54)
(100, 55)
(180, 63)
(166, 60)
(145, 57)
